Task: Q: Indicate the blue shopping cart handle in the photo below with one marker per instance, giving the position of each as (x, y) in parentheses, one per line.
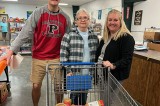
(78, 63)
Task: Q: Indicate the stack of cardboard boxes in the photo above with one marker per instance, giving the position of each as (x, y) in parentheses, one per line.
(3, 92)
(153, 39)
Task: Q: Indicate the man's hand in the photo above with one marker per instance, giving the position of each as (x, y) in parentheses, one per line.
(7, 57)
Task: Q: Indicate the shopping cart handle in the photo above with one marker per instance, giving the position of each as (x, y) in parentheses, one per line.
(78, 63)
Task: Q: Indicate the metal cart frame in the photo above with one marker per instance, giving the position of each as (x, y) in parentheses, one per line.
(102, 81)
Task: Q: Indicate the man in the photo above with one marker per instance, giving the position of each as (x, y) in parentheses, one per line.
(79, 46)
(46, 26)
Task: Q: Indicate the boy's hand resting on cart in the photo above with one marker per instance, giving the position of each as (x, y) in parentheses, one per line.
(108, 64)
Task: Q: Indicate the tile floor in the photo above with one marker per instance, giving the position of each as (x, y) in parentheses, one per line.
(21, 86)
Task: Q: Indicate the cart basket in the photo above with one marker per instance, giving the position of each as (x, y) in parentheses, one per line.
(79, 82)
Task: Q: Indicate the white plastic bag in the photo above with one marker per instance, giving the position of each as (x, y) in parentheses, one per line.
(16, 61)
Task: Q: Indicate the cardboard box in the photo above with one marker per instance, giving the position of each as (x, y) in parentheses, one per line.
(3, 92)
(154, 46)
(154, 36)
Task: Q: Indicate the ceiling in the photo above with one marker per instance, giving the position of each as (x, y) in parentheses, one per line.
(42, 2)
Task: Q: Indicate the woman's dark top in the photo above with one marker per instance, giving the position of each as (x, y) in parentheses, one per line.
(119, 53)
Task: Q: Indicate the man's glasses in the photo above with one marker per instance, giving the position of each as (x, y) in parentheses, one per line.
(83, 18)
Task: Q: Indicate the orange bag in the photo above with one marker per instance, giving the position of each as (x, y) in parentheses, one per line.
(3, 65)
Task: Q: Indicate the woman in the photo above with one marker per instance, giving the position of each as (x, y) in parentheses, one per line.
(4, 27)
(119, 46)
(79, 46)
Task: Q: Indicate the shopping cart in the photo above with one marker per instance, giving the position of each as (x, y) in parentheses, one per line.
(90, 78)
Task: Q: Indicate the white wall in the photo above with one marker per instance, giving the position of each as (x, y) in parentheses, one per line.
(103, 5)
(150, 17)
(20, 10)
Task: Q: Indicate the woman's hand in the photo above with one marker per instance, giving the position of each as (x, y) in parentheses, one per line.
(70, 74)
(108, 64)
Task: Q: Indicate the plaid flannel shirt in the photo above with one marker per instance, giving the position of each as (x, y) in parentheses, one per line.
(72, 47)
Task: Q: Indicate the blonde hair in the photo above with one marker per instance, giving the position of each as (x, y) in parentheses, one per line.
(122, 31)
(82, 10)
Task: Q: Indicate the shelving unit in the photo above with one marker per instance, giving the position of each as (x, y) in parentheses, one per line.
(97, 28)
(16, 25)
(26, 48)
(152, 38)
